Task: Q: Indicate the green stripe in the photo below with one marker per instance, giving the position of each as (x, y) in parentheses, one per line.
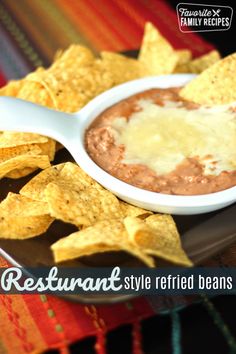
(19, 37)
(219, 322)
(176, 333)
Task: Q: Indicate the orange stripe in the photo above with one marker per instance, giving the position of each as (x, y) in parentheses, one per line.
(62, 23)
(88, 24)
(55, 329)
(79, 23)
(3, 263)
(122, 22)
(46, 25)
(98, 26)
(3, 349)
(8, 332)
(53, 29)
(25, 331)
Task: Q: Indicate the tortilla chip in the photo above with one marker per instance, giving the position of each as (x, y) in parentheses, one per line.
(11, 152)
(12, 88)
(13, 139)
(23, 161)
(184, 56)
(21, 142)
(182, 69)
(25, 143)
(121, 68)
(73, 57)
(22, 218)
(73, 79)
(35, 187)
(81, 206)
(156, 52)
(76, 198)
(200, 64)
(72, 173)
(7, 154)
(58, 54)
(27, 90)
(140, 233)
(21, 228)
(104, 236)
(35, 92)
(48, 148)
(168, 243)
(71, 194)
(158, 236)
(131, 210)
(19, 173)
(19, 205)
(214, 86)
(59, 146)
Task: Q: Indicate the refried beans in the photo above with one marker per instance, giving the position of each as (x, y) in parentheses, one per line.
(188, 177)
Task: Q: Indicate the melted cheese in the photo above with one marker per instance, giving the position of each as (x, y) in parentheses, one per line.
(162, 137)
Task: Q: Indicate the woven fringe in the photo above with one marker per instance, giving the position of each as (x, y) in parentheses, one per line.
(219, 322)
(176, 333)
(137, 337)
(64, 350)
(100, 346)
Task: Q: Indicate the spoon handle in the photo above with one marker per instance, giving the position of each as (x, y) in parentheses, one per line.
(24, 116)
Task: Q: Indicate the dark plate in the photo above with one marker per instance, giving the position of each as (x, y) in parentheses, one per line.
(202, 236)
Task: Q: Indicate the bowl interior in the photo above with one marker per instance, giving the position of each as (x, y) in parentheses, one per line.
(176, 204)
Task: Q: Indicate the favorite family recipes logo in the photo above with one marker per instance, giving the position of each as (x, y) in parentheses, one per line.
(203, 18)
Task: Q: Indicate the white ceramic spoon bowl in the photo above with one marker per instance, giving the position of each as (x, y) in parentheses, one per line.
(69, 129)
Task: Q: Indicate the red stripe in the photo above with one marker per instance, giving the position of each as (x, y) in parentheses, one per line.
(165, 19)
(108, 23)
(118, 314)
(102, 32)
(128, 28)
(37, 310)
(80, 324)
(3, 80)
(130, 9)
(71, 317)
(169, 25)
(83, 23)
